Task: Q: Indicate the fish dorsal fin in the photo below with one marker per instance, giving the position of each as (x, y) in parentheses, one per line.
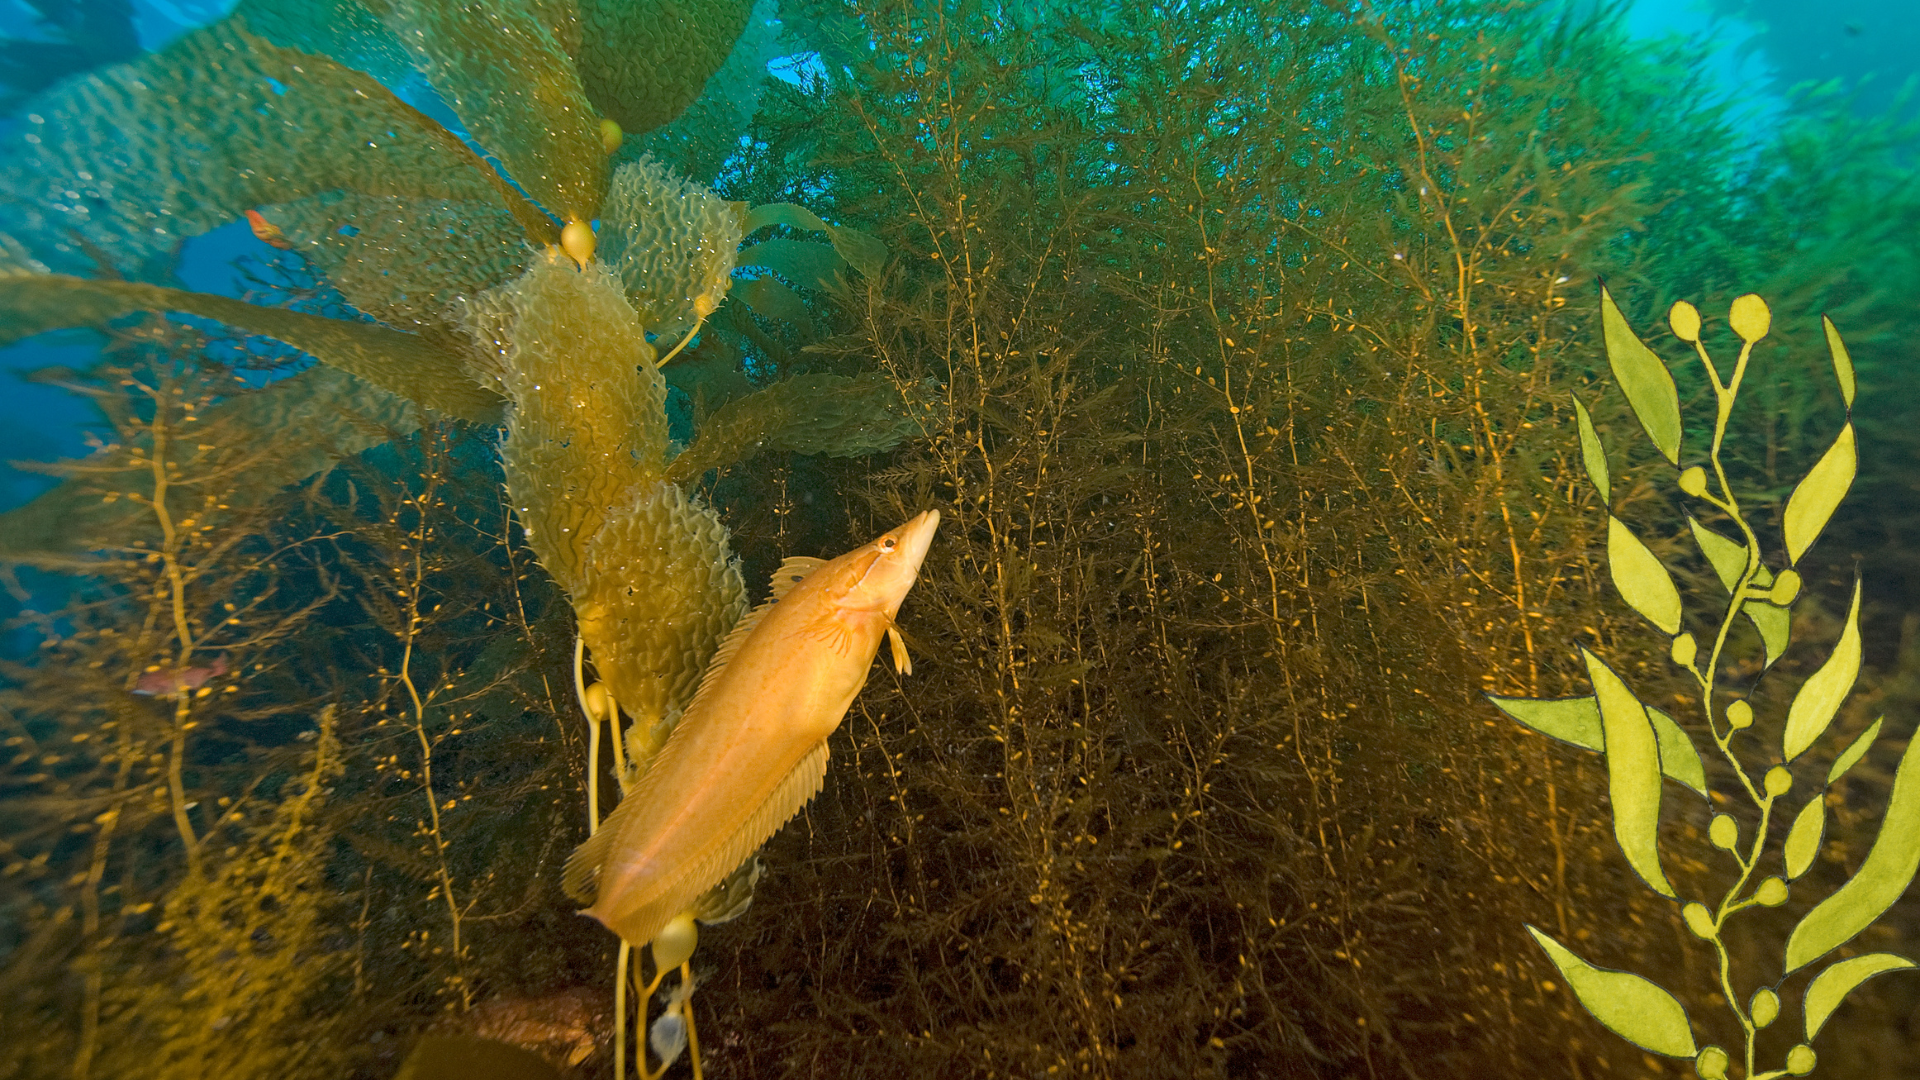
(678, 892)
(792, 571)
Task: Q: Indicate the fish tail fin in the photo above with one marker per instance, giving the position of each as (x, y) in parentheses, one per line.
(580, 878)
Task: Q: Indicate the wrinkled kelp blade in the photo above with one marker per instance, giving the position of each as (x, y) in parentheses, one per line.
(1630, 1006)
(673, 243)
(401, 363)
(1883, 876)
(661, 590)
(807, 414)
(1646, 381)
(504, 69)
(1633, 772)
(219, 122)
(341, 30)
(643, 61)
(409, 263)
(1832, 986)
(1820, 696)
(587, 419)
(1576, 720)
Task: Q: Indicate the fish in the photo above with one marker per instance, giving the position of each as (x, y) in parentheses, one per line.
(267, 231)
(156, 683)
(751, 747)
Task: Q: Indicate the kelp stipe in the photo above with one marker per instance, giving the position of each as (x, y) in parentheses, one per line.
(1642, 745)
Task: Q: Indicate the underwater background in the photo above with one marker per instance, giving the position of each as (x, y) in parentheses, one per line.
(1238, 346)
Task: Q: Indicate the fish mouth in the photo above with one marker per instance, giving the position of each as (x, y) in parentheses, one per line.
(916, 536)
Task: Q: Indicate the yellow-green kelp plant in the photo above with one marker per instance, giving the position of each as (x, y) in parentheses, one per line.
(1237, 345)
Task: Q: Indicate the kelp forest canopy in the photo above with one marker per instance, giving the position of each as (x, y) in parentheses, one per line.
(1236, 345)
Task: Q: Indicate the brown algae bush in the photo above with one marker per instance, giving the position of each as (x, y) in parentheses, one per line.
(1236, 345)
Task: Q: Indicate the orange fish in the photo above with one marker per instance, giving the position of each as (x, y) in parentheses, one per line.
(751, 749)
(156, 683)
(268, 231)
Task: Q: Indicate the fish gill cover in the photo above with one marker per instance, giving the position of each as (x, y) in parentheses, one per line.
(1235, 343)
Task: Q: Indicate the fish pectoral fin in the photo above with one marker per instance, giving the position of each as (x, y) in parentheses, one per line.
(902, 663)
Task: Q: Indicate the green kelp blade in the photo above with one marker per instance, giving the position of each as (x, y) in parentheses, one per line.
(801, 262)
(807, 414)
(505, 71)
(1803, 840)
(1645, 380)
(1592, 454)
(698, 142)
(1831, 986)
(1633, 773)
(770, 298)
(1819, 698)
(1818, 495)
(1573, 720)
(1727, 557)
(1883, 876)
(1729, 560)
(1632, 1007)
(1774, 623)
(862, 252)
(342, 30)
(1679, 759)
(1842, 364)
(1576, 720)
(1643, 582)
(643, 61)
(1854, 751)
(400, 363)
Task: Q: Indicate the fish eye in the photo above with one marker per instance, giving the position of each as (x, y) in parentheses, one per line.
(888, 544)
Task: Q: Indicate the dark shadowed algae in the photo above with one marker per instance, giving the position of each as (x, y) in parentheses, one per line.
(1285, 448)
